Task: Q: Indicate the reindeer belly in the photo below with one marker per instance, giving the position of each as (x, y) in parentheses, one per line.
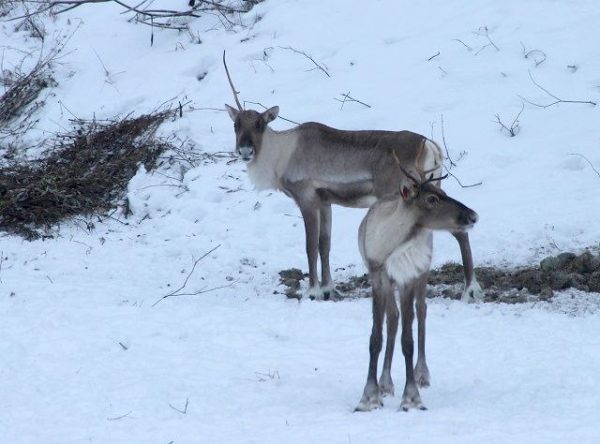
(358, 194)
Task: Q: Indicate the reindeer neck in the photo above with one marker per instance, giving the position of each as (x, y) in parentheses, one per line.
(273, 158)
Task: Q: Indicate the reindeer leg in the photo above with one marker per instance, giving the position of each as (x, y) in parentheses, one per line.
(421, 371)
(371, 398)
(311, 227)
(324, 247)
(472, 291)
(309, 204)
(386, 385)
(410, 397)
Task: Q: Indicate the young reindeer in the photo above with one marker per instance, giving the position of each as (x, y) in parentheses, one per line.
(395, 241)
(318, 166)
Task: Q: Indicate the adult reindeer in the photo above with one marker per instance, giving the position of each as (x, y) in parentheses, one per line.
(395, 240)
(318, 166)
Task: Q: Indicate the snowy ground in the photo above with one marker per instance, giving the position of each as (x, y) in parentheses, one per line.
(87, 358)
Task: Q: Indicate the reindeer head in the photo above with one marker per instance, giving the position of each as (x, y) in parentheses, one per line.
(249, 125)
(434, 208)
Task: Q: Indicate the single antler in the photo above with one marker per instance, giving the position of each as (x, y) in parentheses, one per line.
(418, 183)
(235, 93)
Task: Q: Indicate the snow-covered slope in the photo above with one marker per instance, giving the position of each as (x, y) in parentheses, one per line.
(81, 344)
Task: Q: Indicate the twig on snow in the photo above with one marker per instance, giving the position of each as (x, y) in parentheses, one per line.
(433, 56)
(463, 43)
(189, 275)
(459, 182)
(317, 66)
(452, 163)
(484, 31)
(348, 98)
(116, 418)
(514, 128)
(588, 161)
(537, 55)
(185, 408)
(557, 99)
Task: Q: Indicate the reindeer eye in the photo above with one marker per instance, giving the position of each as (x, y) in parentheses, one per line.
(432, 200)
(236, 125)
(258, 125)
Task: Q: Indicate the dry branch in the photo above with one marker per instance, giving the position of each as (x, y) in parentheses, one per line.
(346, 97)
(146, 16)
(177, 292)
(537, 55)
(433, 56)
(514, 128)
(588, 161)
(26, 88)
(557, 99)
(85, 172)
(484, 31)
(452, 163)
(317, 66)
(463, 43)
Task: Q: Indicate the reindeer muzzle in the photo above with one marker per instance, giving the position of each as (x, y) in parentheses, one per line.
(246, 153)
(467, 219)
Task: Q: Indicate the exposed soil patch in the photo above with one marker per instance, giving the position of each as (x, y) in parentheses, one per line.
(567, 270)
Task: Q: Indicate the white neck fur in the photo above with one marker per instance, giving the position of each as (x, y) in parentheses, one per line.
(277, 148)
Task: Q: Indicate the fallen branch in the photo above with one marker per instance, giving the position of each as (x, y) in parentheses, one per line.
(433, 56)
(588, 161)
(189, 275)
(463, 43)
(514, 128)
(86, 171)
(116, 418)
(348, 98)
(144, 16)
(537, 55)
(459, 182)
(557, 99)
(483, 31)
(452, 163)
(185, 408)
(317, 66)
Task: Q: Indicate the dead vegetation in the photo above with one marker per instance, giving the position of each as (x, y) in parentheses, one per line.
(23, 93)
(554, 273)
(85, 171)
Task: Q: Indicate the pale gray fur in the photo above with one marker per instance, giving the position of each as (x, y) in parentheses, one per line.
(396, 243)
(319, 166)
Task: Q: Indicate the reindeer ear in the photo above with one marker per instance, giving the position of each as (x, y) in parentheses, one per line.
(408, 186)
(405, 193)
(271, 114)
(233, 113)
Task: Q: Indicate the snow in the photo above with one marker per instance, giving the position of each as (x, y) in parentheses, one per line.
(86, 357)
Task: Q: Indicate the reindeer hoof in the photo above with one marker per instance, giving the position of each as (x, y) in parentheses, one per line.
(366, 405)
(422, 375)
(371, 399)
(408, 404)
(411, 399)
(314, 294)
(472, 293)
(330, 293)
(386, 385)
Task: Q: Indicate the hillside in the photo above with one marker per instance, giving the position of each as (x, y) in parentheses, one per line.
(88, 355)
